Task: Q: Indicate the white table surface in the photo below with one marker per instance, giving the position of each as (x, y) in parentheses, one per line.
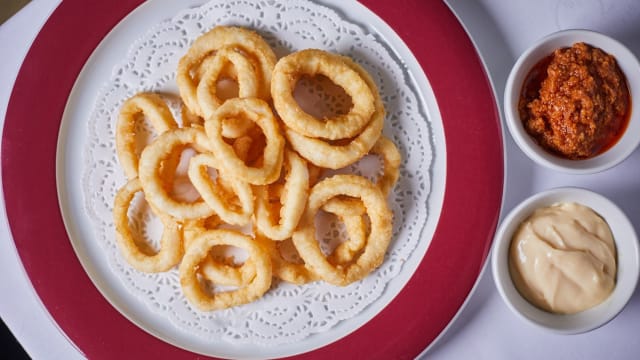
(485, 329)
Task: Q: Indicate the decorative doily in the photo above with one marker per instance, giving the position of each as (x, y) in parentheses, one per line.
(287, 313)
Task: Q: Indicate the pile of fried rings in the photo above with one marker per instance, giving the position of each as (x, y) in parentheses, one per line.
(268, 169)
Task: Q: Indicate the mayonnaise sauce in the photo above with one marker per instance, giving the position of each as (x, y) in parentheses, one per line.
(562, 258)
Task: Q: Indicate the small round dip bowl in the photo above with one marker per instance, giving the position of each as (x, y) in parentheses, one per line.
(628, 262)
(630, 67)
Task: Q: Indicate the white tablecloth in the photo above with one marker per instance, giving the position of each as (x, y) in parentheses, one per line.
(485, 329)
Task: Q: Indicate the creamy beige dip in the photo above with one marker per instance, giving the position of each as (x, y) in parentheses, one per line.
(562, 258)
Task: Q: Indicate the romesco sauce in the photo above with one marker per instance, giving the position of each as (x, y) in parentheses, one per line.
(575, 102)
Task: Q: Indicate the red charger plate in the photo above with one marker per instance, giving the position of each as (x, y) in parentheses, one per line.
(409, 324)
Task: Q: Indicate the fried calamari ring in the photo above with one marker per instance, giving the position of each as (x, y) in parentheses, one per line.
(377, 241)
(215, 196)
(259, 112)
(230, 129)
(292, 200)
(221, 272)
(144, 260)
(151, 159)
(335, 156)
(391, 160)
(296, 273)
(290, 69)
(199, 250)
(324, 154)
(247, 86)
(247, 41)
(156, 111)
(350, 212)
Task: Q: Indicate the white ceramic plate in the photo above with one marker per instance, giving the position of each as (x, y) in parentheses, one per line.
(79, 153)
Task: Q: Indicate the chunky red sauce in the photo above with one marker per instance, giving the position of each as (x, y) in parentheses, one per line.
(575, 102)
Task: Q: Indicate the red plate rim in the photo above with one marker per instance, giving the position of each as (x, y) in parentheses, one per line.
(412, 321)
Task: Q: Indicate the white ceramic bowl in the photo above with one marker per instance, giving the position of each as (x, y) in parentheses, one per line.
(628, 262)
(544, 47)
